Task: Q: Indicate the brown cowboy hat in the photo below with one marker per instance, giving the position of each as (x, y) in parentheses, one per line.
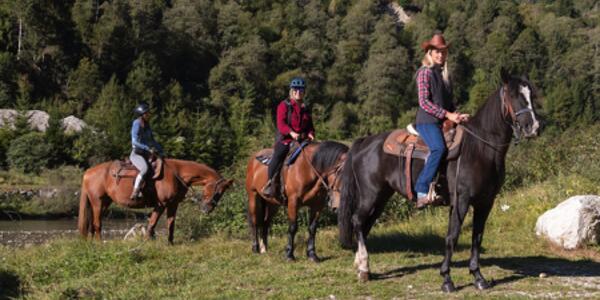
(437, 42)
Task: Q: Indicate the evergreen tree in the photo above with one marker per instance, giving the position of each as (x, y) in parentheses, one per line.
(83, 85)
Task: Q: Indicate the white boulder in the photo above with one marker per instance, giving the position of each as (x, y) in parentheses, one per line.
(73, 124)
(38, 120)
(572, 223)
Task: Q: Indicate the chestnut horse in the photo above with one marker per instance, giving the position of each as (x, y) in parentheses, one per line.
(305, 181)
(371, 176)
(100, 187)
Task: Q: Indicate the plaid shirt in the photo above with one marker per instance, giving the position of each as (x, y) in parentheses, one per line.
(424, 89)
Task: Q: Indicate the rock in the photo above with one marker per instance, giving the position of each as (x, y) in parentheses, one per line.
(73, 124)
(48, 193)
(573, 223)
(7, 117)
(38, 120)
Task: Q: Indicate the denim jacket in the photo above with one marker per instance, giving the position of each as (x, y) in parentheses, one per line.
(141, 137)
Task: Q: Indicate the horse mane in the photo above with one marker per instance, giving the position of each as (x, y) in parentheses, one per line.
(327, 154)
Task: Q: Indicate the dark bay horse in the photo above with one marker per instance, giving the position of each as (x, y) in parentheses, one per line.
(306, 180)
(371, 176)
(100, 187)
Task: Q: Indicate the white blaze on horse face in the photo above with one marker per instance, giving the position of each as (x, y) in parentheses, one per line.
(526, 92)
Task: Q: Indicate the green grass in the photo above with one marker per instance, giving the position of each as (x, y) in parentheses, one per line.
(404, 260)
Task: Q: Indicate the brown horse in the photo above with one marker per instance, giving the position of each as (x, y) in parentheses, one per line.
(101, 185)
(314, 171)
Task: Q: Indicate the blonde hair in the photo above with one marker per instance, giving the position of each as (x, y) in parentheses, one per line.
(427, 61)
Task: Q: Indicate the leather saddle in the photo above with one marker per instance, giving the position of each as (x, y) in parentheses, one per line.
(264, 156)
(125, 169)
(400, 141)
(407, 143)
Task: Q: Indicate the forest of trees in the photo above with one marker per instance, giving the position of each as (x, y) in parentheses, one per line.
(213, 70)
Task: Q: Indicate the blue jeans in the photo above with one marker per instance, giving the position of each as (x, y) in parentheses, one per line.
(433, 137)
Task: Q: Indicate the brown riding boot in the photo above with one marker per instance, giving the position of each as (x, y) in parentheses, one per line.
(431, 198)
(423, 202)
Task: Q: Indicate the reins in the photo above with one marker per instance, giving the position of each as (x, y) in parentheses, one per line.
(506, 109)
(334, 170)
(190, 186)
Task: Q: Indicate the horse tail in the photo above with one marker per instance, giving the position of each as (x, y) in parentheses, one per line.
(85, 211)
(347, 207)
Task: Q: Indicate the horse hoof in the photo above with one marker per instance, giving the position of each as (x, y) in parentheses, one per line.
(482, 284)
(314, 258)
(255, 249)
(363, 276)
(448, 287)
(290, 258)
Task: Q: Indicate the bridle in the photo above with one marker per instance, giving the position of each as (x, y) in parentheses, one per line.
(189, 186)
(336, 169)
(516, 127)
(506, 110)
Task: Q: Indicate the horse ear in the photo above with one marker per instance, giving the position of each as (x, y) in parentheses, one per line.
(504, 75)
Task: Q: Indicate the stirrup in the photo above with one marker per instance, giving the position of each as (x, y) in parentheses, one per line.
(268, 189)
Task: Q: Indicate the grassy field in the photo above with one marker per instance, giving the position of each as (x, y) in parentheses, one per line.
(212, 258)
(404, 256)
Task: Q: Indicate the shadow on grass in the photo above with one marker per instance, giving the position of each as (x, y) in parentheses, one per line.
(10, 285)
(522, 267)
(399, 242)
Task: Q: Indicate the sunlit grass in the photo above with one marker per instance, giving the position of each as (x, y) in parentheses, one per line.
(404, 260)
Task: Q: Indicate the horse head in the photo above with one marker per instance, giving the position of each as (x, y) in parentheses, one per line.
(517, 96)
(212, 193)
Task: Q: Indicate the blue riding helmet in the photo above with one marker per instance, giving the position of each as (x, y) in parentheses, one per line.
(141, 109)
(297, 83)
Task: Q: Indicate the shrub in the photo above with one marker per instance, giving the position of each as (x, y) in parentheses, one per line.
(29, 152)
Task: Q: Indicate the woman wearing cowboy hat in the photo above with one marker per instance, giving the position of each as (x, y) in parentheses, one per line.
(435, 105)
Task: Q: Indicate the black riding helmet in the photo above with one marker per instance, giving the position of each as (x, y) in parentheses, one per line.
(297, 82)
(141, 109)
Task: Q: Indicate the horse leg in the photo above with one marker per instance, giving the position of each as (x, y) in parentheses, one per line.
(268, 213)
(292, 229)
(361, 260)
(171, 212)
(254, 217)
(456, 218)
(97, 217)
(156, 213)
(480, 215)
(311, 251)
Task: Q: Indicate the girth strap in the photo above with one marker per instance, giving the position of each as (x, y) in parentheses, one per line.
(407, 169)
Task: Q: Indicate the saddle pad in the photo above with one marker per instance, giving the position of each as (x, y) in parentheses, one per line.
(264, 156)
(296, 152)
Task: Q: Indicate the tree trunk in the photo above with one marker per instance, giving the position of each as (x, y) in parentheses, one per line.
(20, 37)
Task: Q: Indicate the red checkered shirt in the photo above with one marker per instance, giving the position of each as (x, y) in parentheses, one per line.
(423, 87)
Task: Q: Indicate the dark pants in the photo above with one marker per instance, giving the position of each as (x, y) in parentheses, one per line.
(433, 137)
(279, 154)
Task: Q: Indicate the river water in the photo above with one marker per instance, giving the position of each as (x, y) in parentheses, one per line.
(30, 232)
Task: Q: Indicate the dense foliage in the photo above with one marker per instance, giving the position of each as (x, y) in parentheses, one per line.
(213, 70)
